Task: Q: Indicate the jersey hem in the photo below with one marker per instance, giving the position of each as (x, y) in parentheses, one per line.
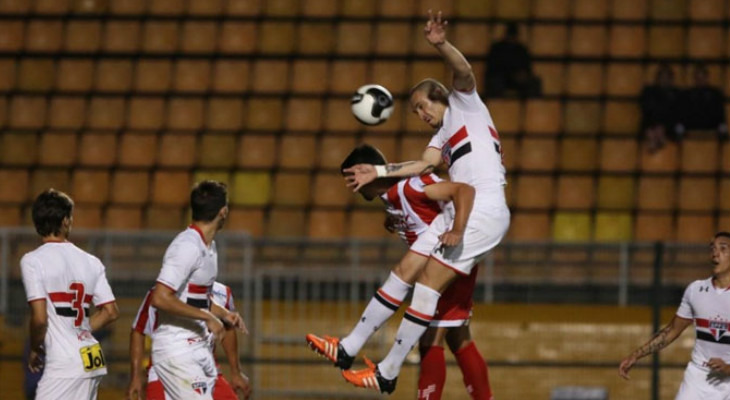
(36, 299)
(461, 273)
(105, 303)
(167, 285)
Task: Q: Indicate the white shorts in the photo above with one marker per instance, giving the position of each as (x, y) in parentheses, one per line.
(67, 388)
(188, 376)
(483, 233)
(698, 384)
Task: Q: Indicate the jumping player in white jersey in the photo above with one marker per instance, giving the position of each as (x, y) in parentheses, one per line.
(467, 142)
(411, 205)
(187, 322)
(143, 326)
(706, 303)
(61, 282)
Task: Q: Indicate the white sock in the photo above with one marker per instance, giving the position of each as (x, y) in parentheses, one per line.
(384, 304)
(414, 324)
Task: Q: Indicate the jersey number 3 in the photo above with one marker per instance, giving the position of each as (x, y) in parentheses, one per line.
(78, 302)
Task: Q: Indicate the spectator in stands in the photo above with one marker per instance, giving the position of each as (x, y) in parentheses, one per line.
(703, 105)
(660, 106)
(509, 67)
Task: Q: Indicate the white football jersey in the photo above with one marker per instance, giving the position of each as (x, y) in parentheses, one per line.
(146, 318)
(470, 147)
(408, 204)
(189, 268)
(710, 309)
(69, 280)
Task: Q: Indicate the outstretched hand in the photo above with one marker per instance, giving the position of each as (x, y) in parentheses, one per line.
(435, 29)
(359, 175)
(625, 367)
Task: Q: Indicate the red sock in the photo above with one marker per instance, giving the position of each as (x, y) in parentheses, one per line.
(432, 376)
(475, 372)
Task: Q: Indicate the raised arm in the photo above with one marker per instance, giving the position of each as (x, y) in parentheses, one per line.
(661, 340)
(462, 195)
(361, 174)
(435, 32)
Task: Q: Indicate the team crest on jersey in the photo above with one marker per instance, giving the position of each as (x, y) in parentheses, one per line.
(200, 387)
(446, 154)
(718, 328)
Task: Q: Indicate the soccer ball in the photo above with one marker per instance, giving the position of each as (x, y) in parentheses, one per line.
(372, 104)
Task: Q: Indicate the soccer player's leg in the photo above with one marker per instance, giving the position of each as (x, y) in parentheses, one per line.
(473, 367)
(190, 375)
(432, 373)
(382, 306)
(68, 388)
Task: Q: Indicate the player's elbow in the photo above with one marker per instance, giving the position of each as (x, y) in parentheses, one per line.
(467, 192)
(112, 311)
(38, 323)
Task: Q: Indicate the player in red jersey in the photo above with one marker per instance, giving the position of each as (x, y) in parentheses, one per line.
(144, 324)
(61, 282)
(411, 205)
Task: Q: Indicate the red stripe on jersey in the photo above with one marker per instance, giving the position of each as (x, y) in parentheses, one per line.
(229, 297)
(458, 137)
(393, 197)
(494, 133)
(65, 297)
(144, 313)
(425, 208)
(411, 237)
(197, 289)
(706, 323)
(419, 315)
(702, 323)
(427, 179)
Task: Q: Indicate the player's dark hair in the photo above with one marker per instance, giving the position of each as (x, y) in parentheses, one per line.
(207, 199)
(435, 90)
(49, 210)
(722, 234)
(363, 154)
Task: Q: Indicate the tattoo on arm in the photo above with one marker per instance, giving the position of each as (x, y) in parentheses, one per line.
(396, 167)
(658, 342)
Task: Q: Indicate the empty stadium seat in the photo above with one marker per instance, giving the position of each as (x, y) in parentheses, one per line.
(46, 178)
(304, 114)
(270, 76)
(292, 188)
(250, 220)
(256, 151)
(238, 37)
(90, 186)
(534, 192)
(512, 9)
(624, 79)
(392, 75)
(530, 226)
(366, 224)
(585, 79)
(654, 226)
(664, 160)
(420, 70)
(122, 36)
(332, 151)
(707, 10)
(98, 149)
(387, 144)
(615, 192)
(57, 149)
(113, 76)
(67, 112)
(656, 193)
(699, 156)
(276, 37)
(319, 8)
(27, 111)
(548, 40)
(43, 36)
(87, 216)
(697, 194)
(229, 113)
(543, 117)
(152, 75)
(621, 117)
(199, 37)
(250, 189)
(217, 151)
(695, 228)
(7, 74)
(326, 224)
(571, 226)
(471, 39)
(619, 155)
(10, 216)
(166, 7)
(582, 117)
(285, 223)
(106, 112)
(627, 41)
(587, 40)
(171, 188)
(218, 175)
(666, 41)
(297, 151)
(556, 9)
(177, 149)
(552, 75)
(124, 7)
(163, 218)
(578, 154)
(18, 148)
(309, 76)
(537, 154)
(338, 116)
(346, 76)
(590, 9)
(137, 149)
(11, 35)
(575, 192)
(36, 75)
(629, 9)
(230, 76)
(160, 37)
(668, 10)
(14, 189)
(50, 7)
(613, 227)
(123, 218)
(506, 114)
(704, 42)
(264, 114)
(328, 189)
(184, 114)
(130, 187)
(191, 76)
(385, 32)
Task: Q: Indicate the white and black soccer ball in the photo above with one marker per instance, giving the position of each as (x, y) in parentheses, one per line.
(372, 104)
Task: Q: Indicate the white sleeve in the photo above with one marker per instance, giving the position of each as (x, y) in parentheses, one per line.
(468, 102)
(102, 292)
(685, 307)
(436, 141)
(32, 279)
(177, 265)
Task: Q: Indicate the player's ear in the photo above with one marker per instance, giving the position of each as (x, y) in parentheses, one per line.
(223, 213)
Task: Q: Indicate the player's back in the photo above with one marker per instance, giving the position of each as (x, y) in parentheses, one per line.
(70, 280)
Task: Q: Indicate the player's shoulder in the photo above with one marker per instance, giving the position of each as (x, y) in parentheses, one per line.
(700, 285)
(187, 241)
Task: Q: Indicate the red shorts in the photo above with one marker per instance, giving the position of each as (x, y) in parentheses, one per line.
(455, 304)
(222, 391)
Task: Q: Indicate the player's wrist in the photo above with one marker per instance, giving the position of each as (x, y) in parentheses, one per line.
(381, 171)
